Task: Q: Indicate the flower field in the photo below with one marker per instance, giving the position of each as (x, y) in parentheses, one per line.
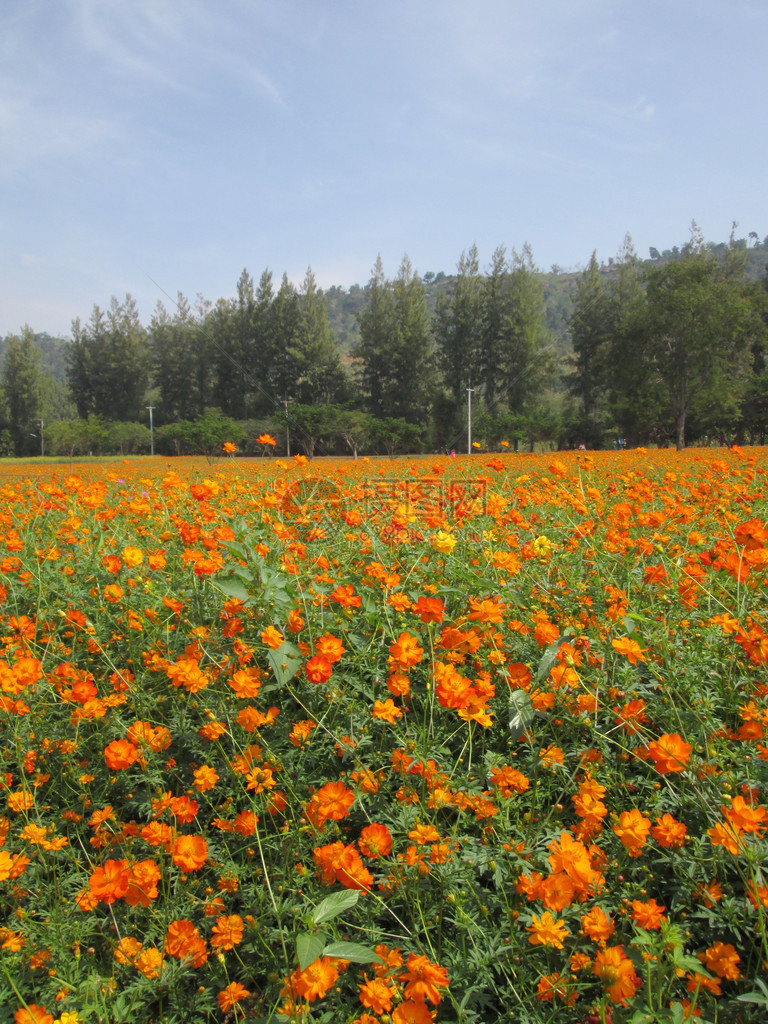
(465, 740)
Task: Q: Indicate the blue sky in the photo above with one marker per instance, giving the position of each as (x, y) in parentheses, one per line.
(183, 140)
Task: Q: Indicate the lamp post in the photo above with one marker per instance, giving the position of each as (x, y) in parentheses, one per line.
(469, 420)
(151, 431)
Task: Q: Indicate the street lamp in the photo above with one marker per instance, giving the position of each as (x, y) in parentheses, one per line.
(151, 431)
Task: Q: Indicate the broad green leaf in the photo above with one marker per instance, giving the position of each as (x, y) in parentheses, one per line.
(352, 951)
(550, 656)
(308, 948)
(520, 713)
(233, 586)
(285, 662)
(334, 905)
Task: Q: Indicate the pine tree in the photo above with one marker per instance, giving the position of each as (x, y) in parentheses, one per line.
(21, 380)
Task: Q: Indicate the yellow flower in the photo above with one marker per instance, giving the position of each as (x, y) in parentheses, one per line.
(542, 548)
(443, 542)
(133, 556)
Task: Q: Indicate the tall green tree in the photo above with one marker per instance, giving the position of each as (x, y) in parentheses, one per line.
(412, 354)
(590, 329)
(108, 363)
(319, 376)
(285, 336)
(493, 319)
(636, 398)
(229, 326)
(181, 362)
(525, 358)
(699, 333)
(457, 327)
(22, 391)
(374, 351)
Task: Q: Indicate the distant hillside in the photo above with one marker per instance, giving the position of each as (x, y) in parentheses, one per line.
(51, 353)
(558, 286)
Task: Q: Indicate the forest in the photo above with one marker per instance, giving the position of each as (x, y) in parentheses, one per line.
(669, 350)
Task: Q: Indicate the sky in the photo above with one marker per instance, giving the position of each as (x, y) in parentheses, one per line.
(151, 147)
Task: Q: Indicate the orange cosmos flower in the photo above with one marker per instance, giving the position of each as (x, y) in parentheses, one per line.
(183, 941)
(142, 886)
(113, 593)
(670, 753)
(212, 731)
(205, 778)
(617, 972)
(423, 979)
(557, 891)
(386, 711)
(375, 841)
(20, 801)
(246, 682)
(405, 651)
(722, 960)
(486, 610)
(295, 621)
(345, 595)
(330, 648)
(509, 781)
(110, 882)
(120, 754)
(316, 979)
(190, 852)
(632, 716)
(318, 669)
(272, 637)
(746, 818)
(555, 986)
(546, 931)
(227, 932)
(184, 809)
(150, 962)
(412, 1012)
(266, 439)
(631, 649)
(350, 870)
(245, 823)
(668, 832)
(376, 995)
(429, 609)
(632, 830)
(133, 557)
(331, 802)
(648, 915)
(33, 1014)
(232, 994)
(260, 780)
(127, 950)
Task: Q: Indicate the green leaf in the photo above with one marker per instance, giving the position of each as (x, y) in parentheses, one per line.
(334, 905)
(233, 586)
(520, 713)
(285, 662)
(678, 1013)
(352, 951)
(629, 625)
(308, 948)
(550, 656)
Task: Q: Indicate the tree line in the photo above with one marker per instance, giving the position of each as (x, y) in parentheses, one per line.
(671, 350)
